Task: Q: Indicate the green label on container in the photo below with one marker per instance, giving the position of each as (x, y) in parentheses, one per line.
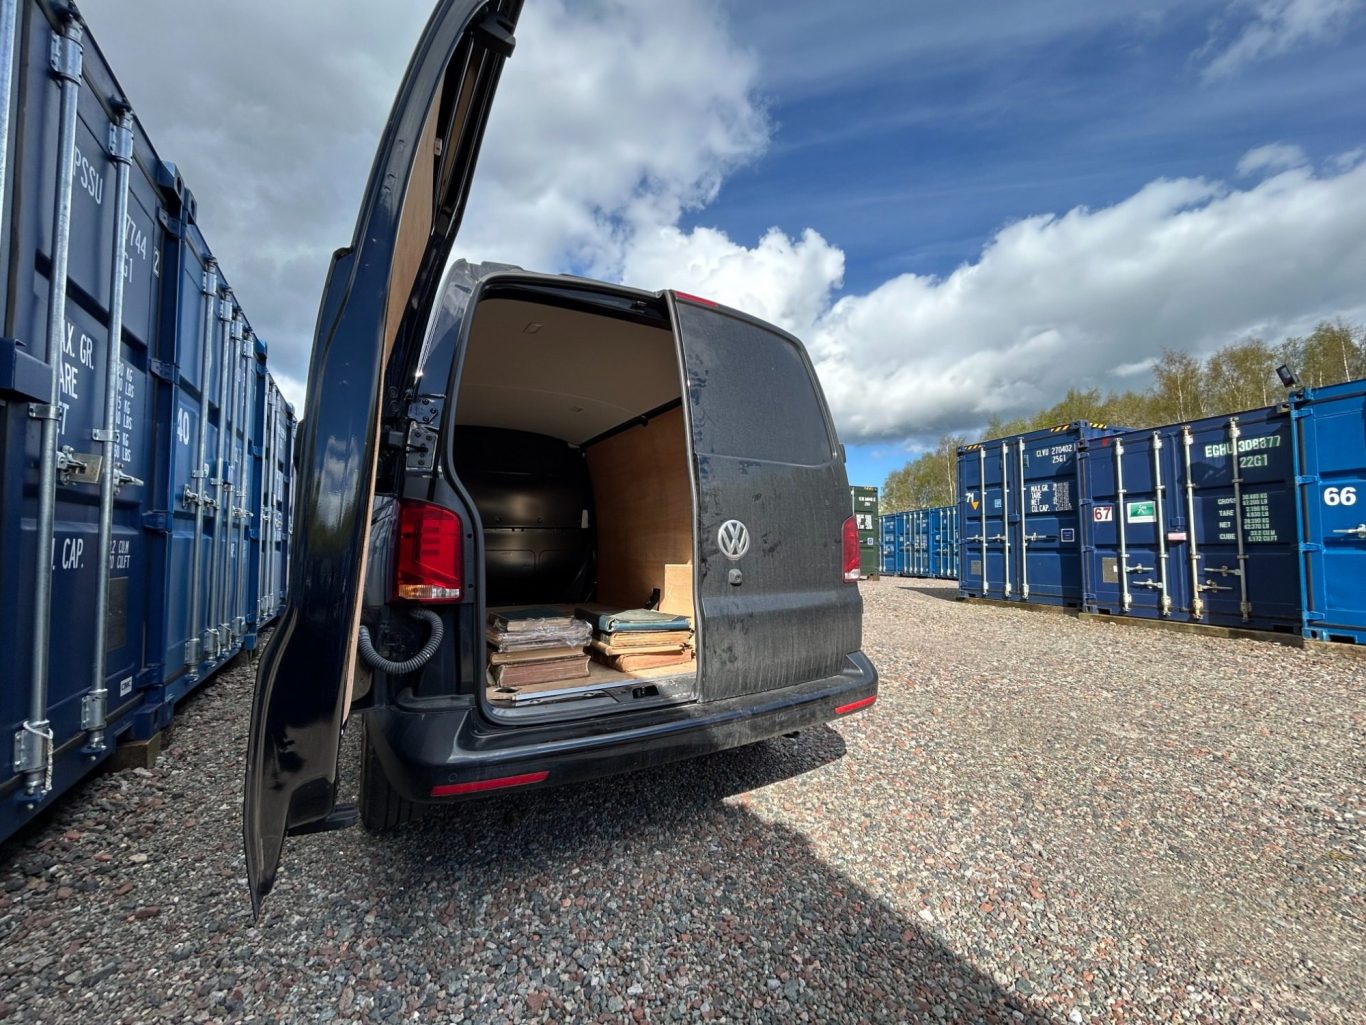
(1141, 512)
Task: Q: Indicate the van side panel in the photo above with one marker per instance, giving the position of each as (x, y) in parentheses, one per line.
(779, 613)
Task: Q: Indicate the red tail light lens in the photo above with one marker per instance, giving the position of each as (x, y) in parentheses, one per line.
(851, 559)
(430, 543)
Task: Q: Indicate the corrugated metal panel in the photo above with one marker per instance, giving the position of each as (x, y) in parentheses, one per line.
(100, 641)
(1020, 511)
(1330, 435)
(921, 543)
(1195, 522)
(891, 539)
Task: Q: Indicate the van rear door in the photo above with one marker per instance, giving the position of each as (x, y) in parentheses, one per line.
(772, 498)
(376, 302)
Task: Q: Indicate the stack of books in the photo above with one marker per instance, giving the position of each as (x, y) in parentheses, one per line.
(632, 639)
(535, 645)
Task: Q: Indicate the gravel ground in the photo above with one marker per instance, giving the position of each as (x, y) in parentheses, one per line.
(1041, 820)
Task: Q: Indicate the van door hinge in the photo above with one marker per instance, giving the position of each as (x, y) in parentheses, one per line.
(495, 33)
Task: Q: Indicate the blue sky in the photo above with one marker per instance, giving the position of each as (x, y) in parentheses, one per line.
(963, 208)
(916, 148)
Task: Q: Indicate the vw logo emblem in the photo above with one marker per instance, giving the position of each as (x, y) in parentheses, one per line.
(733, 538)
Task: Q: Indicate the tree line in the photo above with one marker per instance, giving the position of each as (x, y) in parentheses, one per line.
(1237, 377)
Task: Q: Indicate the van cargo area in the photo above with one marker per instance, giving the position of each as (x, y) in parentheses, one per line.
(570, 439)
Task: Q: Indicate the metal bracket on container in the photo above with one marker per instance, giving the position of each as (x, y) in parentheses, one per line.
(33, 755)
(120, 141)
(78, 467)
(65, 53)
(121, 478)
(39, 411)
(94, 709)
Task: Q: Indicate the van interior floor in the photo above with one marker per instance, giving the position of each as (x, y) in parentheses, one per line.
(663, 682)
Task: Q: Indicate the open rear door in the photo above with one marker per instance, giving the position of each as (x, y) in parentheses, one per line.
(772, 498)
(374, 307)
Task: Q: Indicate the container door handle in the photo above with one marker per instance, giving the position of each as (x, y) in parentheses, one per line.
(1358, 531)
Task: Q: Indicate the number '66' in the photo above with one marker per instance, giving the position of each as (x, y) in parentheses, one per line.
(1340, 496)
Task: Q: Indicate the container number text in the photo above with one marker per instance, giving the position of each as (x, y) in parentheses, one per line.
(1340, 496)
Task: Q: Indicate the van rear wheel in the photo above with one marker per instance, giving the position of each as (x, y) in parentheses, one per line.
(382, 808)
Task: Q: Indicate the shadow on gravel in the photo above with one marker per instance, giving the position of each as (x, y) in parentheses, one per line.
(946, 592)
(670, 883)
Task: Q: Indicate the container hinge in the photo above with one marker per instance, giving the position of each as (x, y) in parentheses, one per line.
(1310, 546)
(78, 467)
(1313, 617)
(192, 653)
(120, 142)
(208, 284)
(175, 227)
(1358, 531)
(157, 521)
(65, 53)
(104, 436)
(1308, 478)
(164, 370)
(33, 756)
(94, 709)
(38, 411)
(1300, 412)
(225, 308)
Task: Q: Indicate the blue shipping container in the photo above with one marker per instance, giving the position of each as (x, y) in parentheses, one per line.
(1330, 446)
(892, 526)
(1195, 522)
(1020, 515)
(130, 385)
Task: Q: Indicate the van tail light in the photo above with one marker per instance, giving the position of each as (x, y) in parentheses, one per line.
(851, 559)
(430, 546)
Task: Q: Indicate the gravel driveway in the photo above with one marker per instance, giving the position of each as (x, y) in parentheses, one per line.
(1041, 820)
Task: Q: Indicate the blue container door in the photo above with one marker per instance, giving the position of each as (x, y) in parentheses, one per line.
(889, 544)
(1244, 528)
(83, 728)
(1043, 516)
(1130, 526)
(1331, 429)
(982, 507)
(901, 553)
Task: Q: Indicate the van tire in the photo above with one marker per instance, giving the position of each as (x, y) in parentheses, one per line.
(382, 808)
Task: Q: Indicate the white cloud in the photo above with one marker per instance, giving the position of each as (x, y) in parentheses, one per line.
(1275, 156)
(1267, 28)
(1053, 301)
(612, 119)
(616, 118)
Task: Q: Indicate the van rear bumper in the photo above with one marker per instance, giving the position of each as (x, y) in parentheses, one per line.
(423, 749)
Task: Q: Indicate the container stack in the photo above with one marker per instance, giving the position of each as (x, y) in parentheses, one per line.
(535, 645)
(631, 640)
